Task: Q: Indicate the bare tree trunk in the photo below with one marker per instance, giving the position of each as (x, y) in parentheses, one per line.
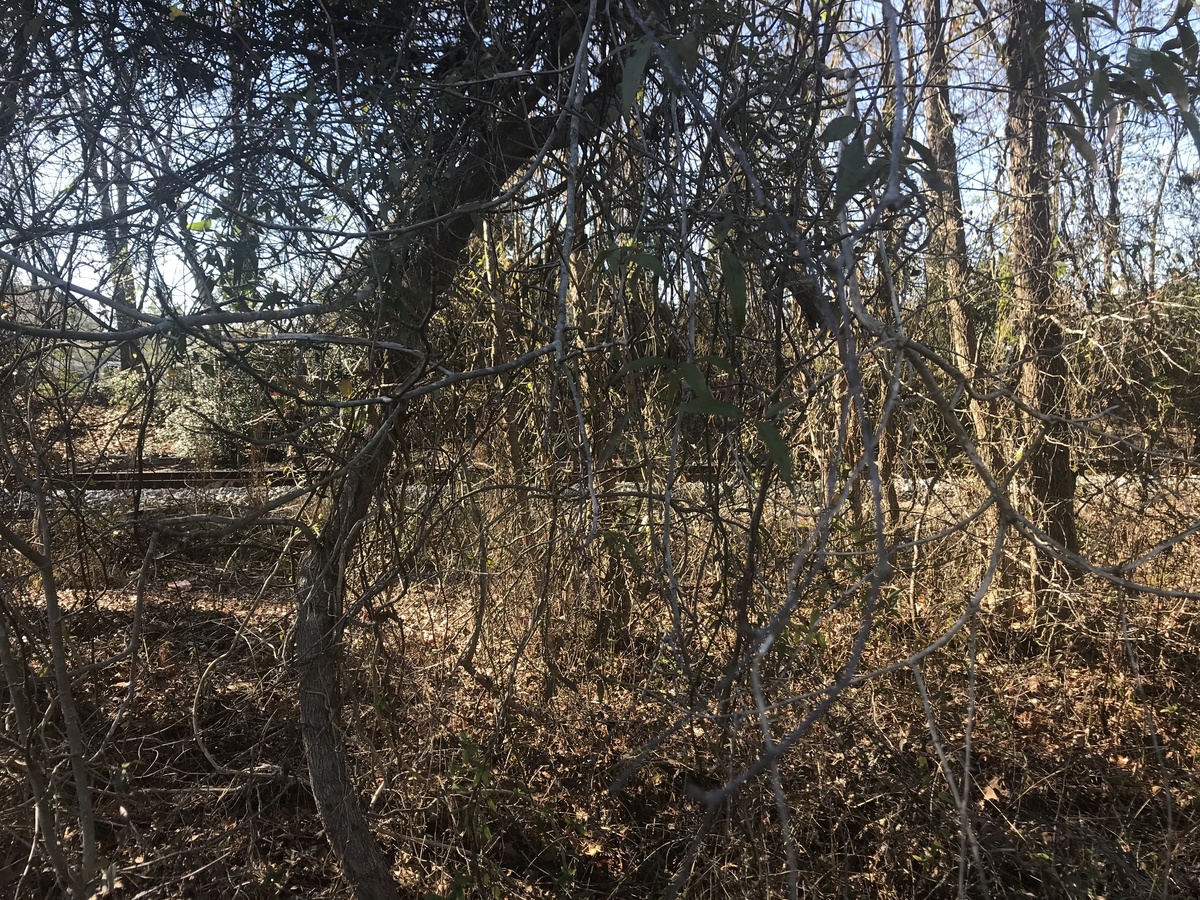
(950, 271)
(17, 72)
(319, 593)
(423, 267)
(1043, 441)
(112, 182)
(18, 677)
(90, 862)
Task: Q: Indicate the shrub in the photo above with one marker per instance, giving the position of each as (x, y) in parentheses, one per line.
(208, 408)
(122, 388)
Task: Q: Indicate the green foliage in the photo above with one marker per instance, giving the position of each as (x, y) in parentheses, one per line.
(123, 389)
(635, 72)
(733, 276)
(209, 409)
(777, 447)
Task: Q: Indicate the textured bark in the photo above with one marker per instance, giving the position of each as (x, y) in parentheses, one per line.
(949, 268)
(318, 633)
(1049, 485)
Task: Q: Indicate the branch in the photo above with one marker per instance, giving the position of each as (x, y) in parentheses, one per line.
(23, 547)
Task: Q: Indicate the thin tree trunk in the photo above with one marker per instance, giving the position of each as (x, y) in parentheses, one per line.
(18, 677)
(319, 593)
(112, 182)
(1043, 446)
(950, 270)
(423, 268)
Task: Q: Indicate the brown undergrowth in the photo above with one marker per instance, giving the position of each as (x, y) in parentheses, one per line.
(493, 775)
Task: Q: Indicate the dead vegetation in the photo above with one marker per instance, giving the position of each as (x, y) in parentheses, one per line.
(491, 747)
(659, 473)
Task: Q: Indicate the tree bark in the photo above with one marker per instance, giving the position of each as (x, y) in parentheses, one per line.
(949, 268)
(319, 592)
(1043, 441)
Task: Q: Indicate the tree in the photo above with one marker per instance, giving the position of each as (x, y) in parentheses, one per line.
(1043, 443)
(950, 273)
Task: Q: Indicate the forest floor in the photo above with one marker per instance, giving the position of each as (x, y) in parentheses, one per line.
(1084, 770)
(563, 759)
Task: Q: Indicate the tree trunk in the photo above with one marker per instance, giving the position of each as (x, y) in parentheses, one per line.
(423, 267)
(113, 183)
(319, 604)
(949, 269)
(1042, 443)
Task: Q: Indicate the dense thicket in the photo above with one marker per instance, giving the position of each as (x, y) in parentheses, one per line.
(696, 381)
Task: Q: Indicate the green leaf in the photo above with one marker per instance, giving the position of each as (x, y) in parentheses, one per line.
(642, 363)
(618, 544)
(1097, 12)
(1074, 109)
(605, 255)
(1193, 126)
(687, 48)
(733, 276)
(609, 450)
(778, 449)
(1138, 60)
(716, 361)
(615, 257)
(1188, 43)
(1080, 142)
(711, 406)
(1170, 77)
(1100, 91)
(632, 78)
(200, 225)
(854, 173)
(851, 168)
(694, 378)
(931, 172)
(649, 262)
(1075, 17)
(839, 129)
(781, 406)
